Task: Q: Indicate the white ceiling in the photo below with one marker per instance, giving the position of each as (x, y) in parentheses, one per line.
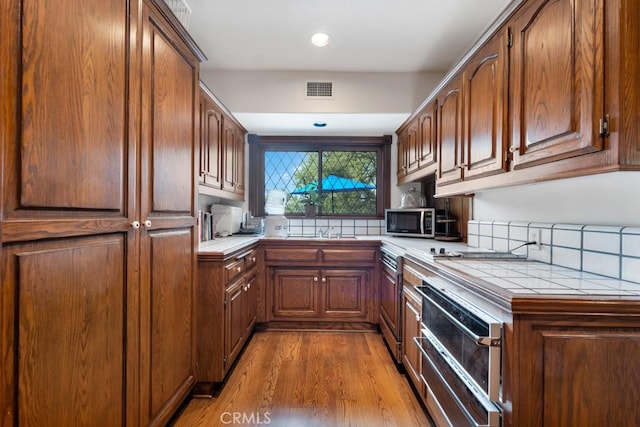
(366, 36)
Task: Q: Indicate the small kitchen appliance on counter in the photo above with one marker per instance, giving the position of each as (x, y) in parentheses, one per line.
(227, 219)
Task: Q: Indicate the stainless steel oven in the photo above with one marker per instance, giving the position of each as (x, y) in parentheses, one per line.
(461, 351)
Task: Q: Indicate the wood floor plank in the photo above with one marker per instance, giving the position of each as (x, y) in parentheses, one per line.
(310, 378)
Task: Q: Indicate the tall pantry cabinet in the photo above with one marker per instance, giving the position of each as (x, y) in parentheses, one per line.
(98, 128)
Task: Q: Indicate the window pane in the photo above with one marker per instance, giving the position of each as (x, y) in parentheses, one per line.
(347, 181)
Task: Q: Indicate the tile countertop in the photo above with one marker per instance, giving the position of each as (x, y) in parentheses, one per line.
(518, 278)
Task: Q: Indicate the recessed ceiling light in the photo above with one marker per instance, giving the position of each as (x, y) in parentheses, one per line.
(320, 39)
(319, 124)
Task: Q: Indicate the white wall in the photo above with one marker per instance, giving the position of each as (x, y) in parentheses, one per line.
(603, 199)
(284, 91)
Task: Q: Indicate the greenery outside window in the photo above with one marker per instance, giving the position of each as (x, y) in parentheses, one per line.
(342, 176)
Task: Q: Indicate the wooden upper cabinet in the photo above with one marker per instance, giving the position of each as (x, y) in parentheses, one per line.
(450, 119)
(239, 147)
(412, 146)
(233, 164)
(426, 147)
(557, 71)
(401, 170)
(485, 111)
(211, 134)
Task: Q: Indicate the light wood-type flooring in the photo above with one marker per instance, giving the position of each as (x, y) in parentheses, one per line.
(302, 378)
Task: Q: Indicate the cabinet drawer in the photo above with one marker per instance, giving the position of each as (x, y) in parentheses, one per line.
(250, 259)
(297, 254)
(348, 255)
(233, 269)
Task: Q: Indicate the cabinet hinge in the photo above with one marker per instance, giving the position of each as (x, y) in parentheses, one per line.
(603, 126)
(225, 303)
(509, 38)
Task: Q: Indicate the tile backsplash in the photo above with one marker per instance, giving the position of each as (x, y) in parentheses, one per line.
(310, 227)
(608, 251)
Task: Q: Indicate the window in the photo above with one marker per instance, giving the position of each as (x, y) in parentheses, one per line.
(350, 174)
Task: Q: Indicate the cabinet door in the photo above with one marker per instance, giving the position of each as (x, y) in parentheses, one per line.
(427, 136)
(389, 304)
(450, 116)
(211, 144)
(295, 293)
(250, 304)
(68, 285)
(234, 322)
(229, 164)
(239, 148)
(167, 211)
(401, 165)
(412, 147)
(556, 80)
(344, 294)
(485, 93)
(411, 358)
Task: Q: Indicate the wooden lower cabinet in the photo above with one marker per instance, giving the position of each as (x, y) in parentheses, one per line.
(227, 296)
(311, 294)
(411, 357)
(331, 280)
(574, 370)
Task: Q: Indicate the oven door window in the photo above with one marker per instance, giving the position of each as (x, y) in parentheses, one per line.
(473, 358)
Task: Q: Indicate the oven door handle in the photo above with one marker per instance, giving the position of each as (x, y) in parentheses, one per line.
(488, 342)
(480, 341)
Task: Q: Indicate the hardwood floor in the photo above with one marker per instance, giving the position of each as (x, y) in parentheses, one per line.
(301, 378)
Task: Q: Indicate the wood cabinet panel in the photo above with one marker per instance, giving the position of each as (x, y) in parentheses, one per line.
(168, 98)
(557, 80)
(349, 255)
(296, 293)
(485, 123)
(69, 115)
(411, 357)
(54, 284)
(450, 121)
(576, 371)
(211, 134)
(427, 142)
(345, 294)
(234, 322)
(169, 316)
(389, 304)
(289, 254)
(170, 106)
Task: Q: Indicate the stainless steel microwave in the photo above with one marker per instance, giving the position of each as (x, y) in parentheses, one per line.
(418, 222)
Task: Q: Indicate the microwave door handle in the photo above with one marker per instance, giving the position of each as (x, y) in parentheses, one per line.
(480, 341)
(422, 229)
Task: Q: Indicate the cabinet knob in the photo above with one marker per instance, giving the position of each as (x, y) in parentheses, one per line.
(238, 269)
(315, 279)
(249, 286)
(417, 317)
(147, 223)
(324, 279)
(135, 224)
(253, 259)
(513, 149)
(246, 289)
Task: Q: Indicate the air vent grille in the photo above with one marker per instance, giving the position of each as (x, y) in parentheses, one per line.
(319, 89)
